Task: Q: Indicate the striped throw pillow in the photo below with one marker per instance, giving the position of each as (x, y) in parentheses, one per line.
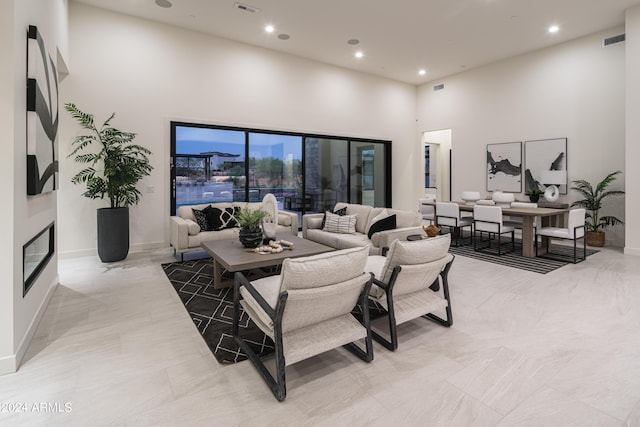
(345, 224)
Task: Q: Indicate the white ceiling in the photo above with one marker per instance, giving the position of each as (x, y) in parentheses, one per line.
(398, 37)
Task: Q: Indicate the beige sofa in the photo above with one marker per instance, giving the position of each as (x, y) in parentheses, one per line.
(186, 235)
(407, 223)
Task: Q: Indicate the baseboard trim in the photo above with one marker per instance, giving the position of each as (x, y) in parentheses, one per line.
(31, 330)
(141, 247)
(138, 247)
(631, 251)
(8, 365)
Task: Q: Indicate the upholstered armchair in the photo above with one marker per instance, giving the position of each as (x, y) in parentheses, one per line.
(306, 310)
(411, 282)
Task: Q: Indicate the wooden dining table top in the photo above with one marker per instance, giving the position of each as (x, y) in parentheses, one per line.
(511, 211)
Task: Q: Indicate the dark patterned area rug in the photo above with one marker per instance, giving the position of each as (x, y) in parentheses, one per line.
(516, 260)
(212, 310)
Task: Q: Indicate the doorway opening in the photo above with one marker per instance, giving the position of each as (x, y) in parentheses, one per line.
(437, 163)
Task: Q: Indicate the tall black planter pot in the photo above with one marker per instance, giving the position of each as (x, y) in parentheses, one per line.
(113, 234)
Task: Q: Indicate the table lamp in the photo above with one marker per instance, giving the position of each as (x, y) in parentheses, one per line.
(552, 178)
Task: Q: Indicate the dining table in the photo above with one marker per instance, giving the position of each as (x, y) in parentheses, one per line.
(549, 217)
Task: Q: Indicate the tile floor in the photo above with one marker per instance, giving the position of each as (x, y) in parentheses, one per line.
(563, 349)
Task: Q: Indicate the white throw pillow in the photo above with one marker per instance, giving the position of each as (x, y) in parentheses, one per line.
(345, 224)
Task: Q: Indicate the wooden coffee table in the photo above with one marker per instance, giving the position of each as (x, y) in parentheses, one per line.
(232, 256)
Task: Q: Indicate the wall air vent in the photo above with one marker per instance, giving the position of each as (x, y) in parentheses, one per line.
(438, 87)
(613, 40)
(246, 8)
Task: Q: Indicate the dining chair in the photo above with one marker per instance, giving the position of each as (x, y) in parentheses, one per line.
(488, 219)
(574, 232)
(515, 221)
(427, 211)
(448, 215)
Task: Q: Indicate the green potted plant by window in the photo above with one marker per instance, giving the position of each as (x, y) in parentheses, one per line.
(114, 167)
(249, 221)
(592, 202)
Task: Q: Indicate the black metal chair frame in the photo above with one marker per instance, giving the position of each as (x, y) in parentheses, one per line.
(278, 385)
(551, 256)
(392, 344)
(456, 230)
(499, 233)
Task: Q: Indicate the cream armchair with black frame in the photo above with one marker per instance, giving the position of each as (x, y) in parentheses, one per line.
(411, 281)
(306, 310)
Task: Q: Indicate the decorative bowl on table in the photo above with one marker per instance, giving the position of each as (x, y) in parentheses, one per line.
(470, 197)
(503, 199)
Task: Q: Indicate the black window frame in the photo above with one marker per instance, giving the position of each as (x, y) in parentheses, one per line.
(386, 144)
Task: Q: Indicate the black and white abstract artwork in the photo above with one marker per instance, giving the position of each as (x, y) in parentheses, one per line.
(504, 167)
(544, 155)
(42, 116)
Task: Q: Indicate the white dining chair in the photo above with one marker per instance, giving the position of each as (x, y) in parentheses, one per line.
(515, 221)
(428, 212)
(488, 219)
(448, 215)
(574, 232)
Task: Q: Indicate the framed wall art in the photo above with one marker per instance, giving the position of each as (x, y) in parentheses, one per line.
(42, 116)
(544, 156)
(504, 167)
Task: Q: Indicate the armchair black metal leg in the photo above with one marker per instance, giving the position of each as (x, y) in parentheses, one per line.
(392, 343)
(276, 385)
(367, 354)
(445, 290)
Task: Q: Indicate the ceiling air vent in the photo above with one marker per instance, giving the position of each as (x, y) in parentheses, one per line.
(438, 87)
(246, 8)
(613, 40)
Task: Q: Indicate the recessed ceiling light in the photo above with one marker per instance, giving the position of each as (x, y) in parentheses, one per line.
(554, 29)
(359, 54)
(422, 72)
(353, 42)
(163, 3)
(284, 36)
(269, 29)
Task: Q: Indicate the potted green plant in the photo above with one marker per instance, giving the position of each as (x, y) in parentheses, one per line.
(114, 165)
(534, 194)
(249, 221)
(592, 202)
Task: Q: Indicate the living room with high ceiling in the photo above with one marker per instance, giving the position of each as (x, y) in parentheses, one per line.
(110, 343)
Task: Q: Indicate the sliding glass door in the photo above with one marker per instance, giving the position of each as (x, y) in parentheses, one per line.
(275, 166)
(326, 173)
(306, 173)
(368, 174)
(208, 166)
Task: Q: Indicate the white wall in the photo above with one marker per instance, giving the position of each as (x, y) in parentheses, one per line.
(30, 214)
(6, 191)
(632, 153)
(150, 73)
(573, 90)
